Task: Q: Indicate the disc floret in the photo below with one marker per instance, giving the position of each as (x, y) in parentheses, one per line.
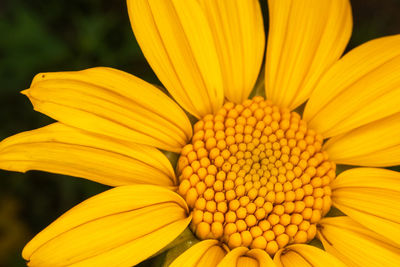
(254, 175)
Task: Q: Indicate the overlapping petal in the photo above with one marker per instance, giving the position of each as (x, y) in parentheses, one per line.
(206, 253)
(176, 40)
(203, 50)
(371, 197)
(238, 30)
(243, 257)
(355, 245)
(62, 149)
(121, 226)
(112, 103)
(302, 255)
(362, 87)
(305, 38)
(376, 144)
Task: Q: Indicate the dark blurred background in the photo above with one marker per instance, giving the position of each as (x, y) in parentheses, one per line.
(55, 35)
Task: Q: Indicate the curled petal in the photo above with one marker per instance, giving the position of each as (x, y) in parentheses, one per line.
(242, 256)
(302, 255)
(204, 253)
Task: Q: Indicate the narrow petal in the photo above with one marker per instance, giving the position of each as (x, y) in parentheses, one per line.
(113, 103)
(376, 144)
(355, 245)
(305, 38)
(300, 255)
(362, 87)
(243, 257)
(232, 257)
(238, 30)
(121, 226)
(205, 253)
(176, 40)
(58, 148)
(262, 258)
(372, 198)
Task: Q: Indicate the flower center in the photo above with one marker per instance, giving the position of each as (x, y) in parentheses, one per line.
(254, 175)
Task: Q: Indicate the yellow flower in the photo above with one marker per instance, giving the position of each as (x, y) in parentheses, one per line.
(254, 178)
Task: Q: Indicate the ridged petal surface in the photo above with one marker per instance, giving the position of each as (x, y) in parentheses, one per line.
(120, 227)
(305, 38)
(303, 255)
(362, 87)
(355, 245)
(206, 253)
(58, 148)
(112, 103)
(177, 41)
(376, 144)
(371, 197)
(238, 30)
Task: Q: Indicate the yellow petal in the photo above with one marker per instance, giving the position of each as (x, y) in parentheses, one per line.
(376, 144)
(62, 149)
(120, 227)
(238, 30)
(113, 103)
(245, 261)
(305, 255)
(262, 258)
(362, 87)
(305, 38)
(205, 253)
(243, 257)
(176, 40)
(355, 245)
(372, 198)
(290, 258)
(232, 257)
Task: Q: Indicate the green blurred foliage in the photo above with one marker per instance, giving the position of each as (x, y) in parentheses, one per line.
(55, 35)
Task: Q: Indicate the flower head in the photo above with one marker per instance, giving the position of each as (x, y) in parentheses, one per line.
(256, 178)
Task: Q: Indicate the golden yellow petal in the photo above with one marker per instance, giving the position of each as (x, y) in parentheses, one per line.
(112, 103)
(245, 261)
(121, 226)
(305, 38)
(362, 87)
(376, 144)
(290, 258)
(133, 251)
(355, 245)
(232, 257)
(207, 251)
(212, 257)
(243, 257)
(176, 39)
(305, 255)
(262, 258)
(238, 30)
(65, 150)
(371, 197)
